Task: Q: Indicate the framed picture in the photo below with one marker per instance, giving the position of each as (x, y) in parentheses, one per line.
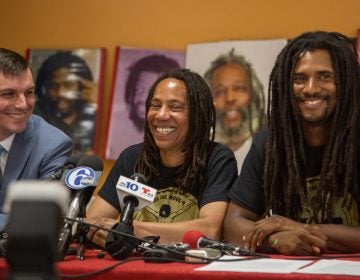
(135, 71)
(238, 74)
(69, 84)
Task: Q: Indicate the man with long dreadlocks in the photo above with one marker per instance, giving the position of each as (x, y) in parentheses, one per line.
(179, 158)
(298, 192)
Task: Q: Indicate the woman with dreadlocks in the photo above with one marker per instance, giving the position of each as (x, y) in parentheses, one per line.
(191, 172)
(298, 192)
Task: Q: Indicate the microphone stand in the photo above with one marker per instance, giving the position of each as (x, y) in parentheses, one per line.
(82, 231)
(120, 247)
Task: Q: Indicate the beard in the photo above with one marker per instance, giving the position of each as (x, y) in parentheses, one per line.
(235, 135)
(318, 118)
(68, 111)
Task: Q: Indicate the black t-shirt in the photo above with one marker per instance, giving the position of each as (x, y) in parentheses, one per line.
(248, 191)
(170, 204)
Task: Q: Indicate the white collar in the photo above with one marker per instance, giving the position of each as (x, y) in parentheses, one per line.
(6, 143)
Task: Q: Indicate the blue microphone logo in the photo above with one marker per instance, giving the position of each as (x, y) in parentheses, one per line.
(80, 177)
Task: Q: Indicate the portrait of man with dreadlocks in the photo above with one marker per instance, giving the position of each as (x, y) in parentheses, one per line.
(298, 191)
(239, 102)
(179, 157)
(67, 95)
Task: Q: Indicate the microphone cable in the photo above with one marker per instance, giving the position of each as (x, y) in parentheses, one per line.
(140, 240)
(154, 259)
(158, 256)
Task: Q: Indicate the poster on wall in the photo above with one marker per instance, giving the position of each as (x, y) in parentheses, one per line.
(238, 74)
(136, 70)
(69, 84)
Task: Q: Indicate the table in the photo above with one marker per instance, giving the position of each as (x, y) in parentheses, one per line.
(138, 269)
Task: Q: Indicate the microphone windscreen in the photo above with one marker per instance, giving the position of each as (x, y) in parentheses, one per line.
(91, 161)
(74, 159)
(192, 238)
(138, 177)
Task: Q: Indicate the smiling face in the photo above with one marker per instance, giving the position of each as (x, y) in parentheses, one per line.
(168, 116)
(17, 101)
(314, 88)
(231, 88)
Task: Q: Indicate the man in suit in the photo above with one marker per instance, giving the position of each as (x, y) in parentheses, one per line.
(30, 147)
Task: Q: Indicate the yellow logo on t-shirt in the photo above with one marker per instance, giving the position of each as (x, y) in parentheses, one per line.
(345, 209)
(170, 205)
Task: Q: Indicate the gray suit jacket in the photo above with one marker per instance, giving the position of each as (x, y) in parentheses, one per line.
(35, 153)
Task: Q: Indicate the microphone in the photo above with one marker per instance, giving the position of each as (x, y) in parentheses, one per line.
(133, 194)
(131, 201)
(135, 189)
(82, 181)
(197, 239)
(70, 163)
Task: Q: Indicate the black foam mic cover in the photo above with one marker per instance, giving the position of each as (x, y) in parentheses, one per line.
(70, 163)
(117, 245)
(120, 246)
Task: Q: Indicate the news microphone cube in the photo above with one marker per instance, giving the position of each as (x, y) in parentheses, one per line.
(126, 186)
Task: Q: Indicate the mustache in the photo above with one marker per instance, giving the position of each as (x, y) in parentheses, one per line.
(244, 112)
(316, 96)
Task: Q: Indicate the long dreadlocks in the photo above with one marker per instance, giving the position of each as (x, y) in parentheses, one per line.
(285, 153)
(200, 137)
